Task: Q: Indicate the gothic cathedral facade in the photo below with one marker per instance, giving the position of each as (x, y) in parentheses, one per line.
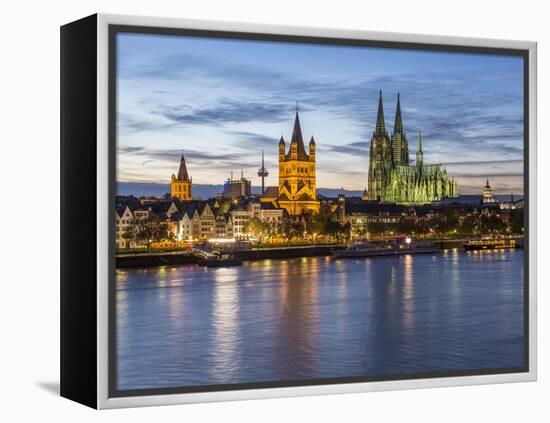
(182, 186)
(297, 174)
(391, 179)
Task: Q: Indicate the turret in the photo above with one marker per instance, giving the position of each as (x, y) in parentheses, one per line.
(312, 149)
(282, 149)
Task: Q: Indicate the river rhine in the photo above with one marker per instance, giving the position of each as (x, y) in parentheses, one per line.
(281, 320)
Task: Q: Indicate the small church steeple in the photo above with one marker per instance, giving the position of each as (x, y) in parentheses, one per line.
(182, 172)
(181, 186)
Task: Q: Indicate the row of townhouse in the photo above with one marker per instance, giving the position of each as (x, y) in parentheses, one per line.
(124, 218)
(195, 220)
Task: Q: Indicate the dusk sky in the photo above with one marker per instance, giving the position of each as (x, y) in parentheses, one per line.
(224, 101)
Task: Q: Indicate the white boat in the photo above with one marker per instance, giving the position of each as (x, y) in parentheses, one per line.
(364, 248)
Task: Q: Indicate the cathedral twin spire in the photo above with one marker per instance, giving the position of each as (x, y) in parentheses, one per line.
(399, 140)
(391, 178)
(380, 124)
(398, 127)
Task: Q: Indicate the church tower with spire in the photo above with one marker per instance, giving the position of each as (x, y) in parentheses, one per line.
(381, 155)
(182, 185)
(400, 146)
(297, 174)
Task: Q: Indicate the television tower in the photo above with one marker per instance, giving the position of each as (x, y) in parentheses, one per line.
(262, 173)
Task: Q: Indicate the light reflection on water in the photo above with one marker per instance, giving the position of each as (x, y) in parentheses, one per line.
(315, 317)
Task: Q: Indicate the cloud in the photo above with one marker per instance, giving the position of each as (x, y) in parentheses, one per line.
(358, 148)
(463, 117)
(485, 162)
(165, 161)
(128, 124)
(128, 149)
(486, 174)
(226, 111)
(252, 139)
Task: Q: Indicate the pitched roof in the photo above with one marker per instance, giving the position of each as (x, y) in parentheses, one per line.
(132, 202)
(271, 192)
(202, 206)
(120, 210)
(176, 216)
(190, 210)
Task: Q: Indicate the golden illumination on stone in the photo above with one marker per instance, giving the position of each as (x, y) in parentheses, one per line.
(297, 174)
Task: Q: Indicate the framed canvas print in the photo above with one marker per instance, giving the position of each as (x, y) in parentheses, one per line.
(254, 211)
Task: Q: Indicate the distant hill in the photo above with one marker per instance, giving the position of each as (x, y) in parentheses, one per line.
(143, 189)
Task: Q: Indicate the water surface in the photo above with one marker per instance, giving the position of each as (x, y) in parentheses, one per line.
(279, 320)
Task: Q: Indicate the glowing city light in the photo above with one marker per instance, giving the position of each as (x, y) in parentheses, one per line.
(221, 240)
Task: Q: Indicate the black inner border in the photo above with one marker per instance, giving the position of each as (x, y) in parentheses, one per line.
(113, 30)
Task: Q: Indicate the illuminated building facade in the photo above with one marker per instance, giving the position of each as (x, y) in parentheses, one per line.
(297, 174)
(392, 179)
(487, 196)
(237, 188)
(181, 187)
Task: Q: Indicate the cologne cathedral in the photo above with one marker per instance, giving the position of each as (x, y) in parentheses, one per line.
(392, 179)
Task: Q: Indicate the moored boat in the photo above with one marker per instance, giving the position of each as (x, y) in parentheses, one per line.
(491, 244)
(220, 260)
(364, 248)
